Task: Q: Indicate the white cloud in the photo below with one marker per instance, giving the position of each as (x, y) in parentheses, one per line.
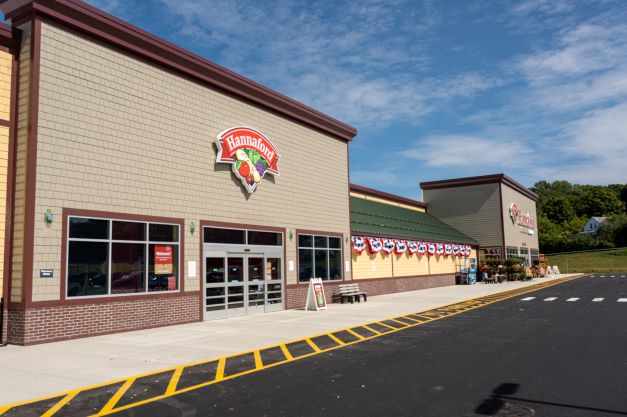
(362, 65)
(456, 150)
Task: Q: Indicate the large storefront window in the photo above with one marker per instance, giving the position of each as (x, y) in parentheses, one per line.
(113, 257)
(535, 255)
(319, 257)
(512, 252)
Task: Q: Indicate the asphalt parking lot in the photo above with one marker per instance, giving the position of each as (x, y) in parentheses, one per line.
(514, 357)
(553, 350)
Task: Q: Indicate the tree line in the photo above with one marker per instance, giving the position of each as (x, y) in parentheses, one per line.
(565, 208)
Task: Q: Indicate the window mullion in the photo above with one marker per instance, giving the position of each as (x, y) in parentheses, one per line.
(109, 266)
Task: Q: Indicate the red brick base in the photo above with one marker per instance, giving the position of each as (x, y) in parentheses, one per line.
(46, 324)
(297, 294)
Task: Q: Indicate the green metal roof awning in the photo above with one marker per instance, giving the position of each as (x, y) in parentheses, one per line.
(373, 218)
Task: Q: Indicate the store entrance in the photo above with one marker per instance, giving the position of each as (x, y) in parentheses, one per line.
(238, 283)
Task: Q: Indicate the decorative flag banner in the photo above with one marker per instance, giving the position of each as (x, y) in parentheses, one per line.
(431, 248)
(422, 248)
(401, 246)
(439, 248)
(455, 250)
(448, 249)
(374, 244)
(359, 243)
(388, 245)
(412, 246)
(468, 250)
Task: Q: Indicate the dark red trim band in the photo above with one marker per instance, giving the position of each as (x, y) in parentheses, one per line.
(87, 19)
(10, 38)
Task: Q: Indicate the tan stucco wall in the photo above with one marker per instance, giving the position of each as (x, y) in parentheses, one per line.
(513, 234)
(473, 210)
(5, 107)
(19, 202)
(120, 135)
(381, 200)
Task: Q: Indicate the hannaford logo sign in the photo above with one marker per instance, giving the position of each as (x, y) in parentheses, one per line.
(251, 154)
(518, 217)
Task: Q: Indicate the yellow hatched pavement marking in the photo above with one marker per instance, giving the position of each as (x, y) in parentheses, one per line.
(258, 362)
(365, 326)
(60, 404)
(355, 334)
(175, 380)
(385, 325)
(313, 345)
(220, 369)
(116, 397)
(286, 352)
(400, 322)
(127, 383)
(335, 339)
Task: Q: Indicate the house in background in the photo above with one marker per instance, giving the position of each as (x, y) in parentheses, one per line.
(592, 227)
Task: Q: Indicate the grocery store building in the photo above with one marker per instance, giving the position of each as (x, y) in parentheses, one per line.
(495, 210)
(146, 186)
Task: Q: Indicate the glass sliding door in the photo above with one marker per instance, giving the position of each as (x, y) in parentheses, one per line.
(215, 287)
(236, 281)
(256, 286)
(274, 284)
(242, 283)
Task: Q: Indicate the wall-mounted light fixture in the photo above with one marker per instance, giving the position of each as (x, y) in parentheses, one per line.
(291, 235)
(192, 228)
(48, 217)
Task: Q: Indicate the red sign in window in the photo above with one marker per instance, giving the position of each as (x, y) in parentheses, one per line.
(163, 259)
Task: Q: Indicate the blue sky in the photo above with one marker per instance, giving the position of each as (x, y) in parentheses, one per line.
(437, 89)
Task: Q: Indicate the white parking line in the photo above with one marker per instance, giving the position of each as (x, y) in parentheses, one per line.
(550, 299)
(573, 299)
(612, 276)
(596, 300)
(622, 300)
(602, 276)
(622, 276)
(527, 298)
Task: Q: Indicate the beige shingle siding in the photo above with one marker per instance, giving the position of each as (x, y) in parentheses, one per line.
(120, 135)
(473, 210)
(20, 164)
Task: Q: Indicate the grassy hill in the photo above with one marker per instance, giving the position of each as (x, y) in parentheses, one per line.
(605, 261)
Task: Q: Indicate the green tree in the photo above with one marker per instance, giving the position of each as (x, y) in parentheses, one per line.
(557, 208)
(592, 200)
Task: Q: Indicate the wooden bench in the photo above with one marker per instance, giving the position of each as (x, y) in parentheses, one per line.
(351, 292)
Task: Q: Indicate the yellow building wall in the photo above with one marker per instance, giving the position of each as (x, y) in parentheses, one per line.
(368, 266)
(406, 265)
(381, 265)
(5, 115)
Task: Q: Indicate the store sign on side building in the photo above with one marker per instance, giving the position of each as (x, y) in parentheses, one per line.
(520, 218)
(250, 154)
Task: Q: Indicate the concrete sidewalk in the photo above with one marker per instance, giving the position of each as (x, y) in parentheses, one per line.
(34, 371)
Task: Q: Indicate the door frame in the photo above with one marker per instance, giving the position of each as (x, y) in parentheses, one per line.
(246, 282)
(227, 225)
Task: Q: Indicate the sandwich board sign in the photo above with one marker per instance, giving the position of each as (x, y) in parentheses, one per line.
(315, 296)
